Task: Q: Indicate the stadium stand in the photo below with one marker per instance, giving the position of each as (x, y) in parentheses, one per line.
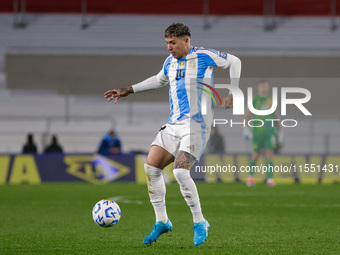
(216, 7)
(89, 118)
(45, 110)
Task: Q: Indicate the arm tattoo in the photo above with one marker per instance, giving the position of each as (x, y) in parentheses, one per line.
(184, 160)
(129, 89)
(126, 91)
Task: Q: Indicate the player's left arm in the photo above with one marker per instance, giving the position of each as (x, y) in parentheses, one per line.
(279, 128)
(247, 133)
(277, 117)
(235, 65)
(225, 60)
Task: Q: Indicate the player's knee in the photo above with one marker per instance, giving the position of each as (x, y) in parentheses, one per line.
(181, 175)
(154, 163)
(158, 162)
(152, 170)
(148, 162)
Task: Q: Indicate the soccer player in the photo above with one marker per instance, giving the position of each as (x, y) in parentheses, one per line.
(183, 138)
(263, 137)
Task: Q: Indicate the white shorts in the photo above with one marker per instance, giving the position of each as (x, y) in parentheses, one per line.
(184, 137)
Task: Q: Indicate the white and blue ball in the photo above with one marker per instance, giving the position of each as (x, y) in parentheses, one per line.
(106, 213)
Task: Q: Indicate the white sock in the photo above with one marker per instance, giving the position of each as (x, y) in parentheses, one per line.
(189, 192)
(156, 190)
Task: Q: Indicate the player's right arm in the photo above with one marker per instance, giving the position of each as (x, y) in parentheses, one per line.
(154, 82)
(117, 93)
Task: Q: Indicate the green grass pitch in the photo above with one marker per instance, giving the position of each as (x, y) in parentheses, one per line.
(55, 218)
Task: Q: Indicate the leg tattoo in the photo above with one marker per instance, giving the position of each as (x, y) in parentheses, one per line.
(184, 160)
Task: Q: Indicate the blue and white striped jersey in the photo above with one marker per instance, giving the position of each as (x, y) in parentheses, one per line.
(185, 76)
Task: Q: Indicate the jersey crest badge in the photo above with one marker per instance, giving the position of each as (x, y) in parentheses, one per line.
(192, 63)
(181, 64)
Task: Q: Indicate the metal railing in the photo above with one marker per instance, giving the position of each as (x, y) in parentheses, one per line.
(80, 140)
(333, 15)
(84, 22)
(269, 15)
(269, 11)
(19, 16)
(20, 20)
(206, 24)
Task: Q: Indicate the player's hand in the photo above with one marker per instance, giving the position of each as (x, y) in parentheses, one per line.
(117, 93)
(228, 102)
(247, 133)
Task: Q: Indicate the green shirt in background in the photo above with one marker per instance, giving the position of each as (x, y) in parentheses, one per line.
(264, 136)
(263, 103)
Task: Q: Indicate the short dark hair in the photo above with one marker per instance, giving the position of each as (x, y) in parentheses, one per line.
(177, 30)
(262, 81)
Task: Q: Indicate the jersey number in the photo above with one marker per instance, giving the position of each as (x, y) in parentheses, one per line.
(180, 74)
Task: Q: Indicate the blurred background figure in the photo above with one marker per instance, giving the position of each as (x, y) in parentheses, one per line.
(54, 147)
(263, 136)
(110, 144)
(30, 147)
(216, 142)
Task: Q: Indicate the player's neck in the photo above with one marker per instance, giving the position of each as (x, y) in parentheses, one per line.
(186, 52)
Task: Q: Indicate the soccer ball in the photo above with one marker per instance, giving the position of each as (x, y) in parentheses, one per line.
(106, 213)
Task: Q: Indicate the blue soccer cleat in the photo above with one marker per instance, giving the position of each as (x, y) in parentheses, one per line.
(158, 229)
(201, 232)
